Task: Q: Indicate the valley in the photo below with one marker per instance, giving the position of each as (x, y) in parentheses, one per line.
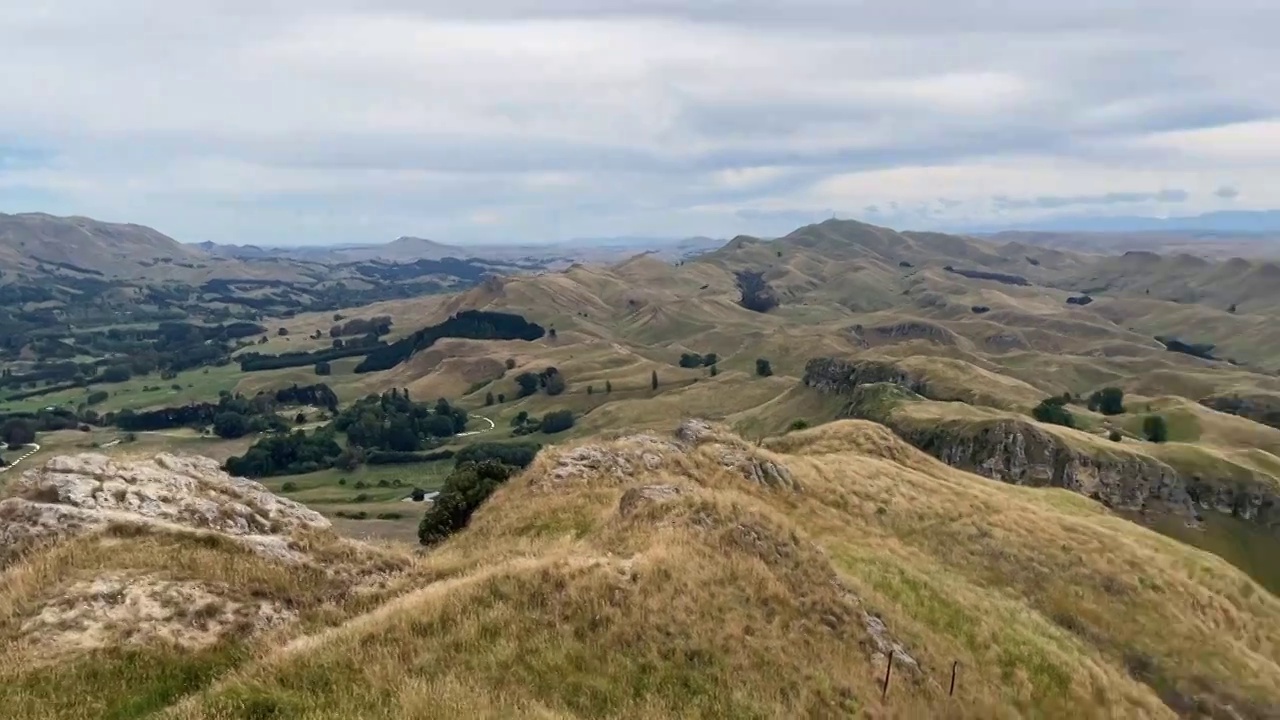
(1057, 467)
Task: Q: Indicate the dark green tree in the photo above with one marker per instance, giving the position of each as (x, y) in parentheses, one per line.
(17, 432)
(230, 425)
(1108, 401)
(653, 380)
(465, 490)
(1054, 410)
(1155, 428)
(763, 368)
(488, 398)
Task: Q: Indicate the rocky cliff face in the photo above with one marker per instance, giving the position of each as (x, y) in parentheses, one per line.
(1022, 453)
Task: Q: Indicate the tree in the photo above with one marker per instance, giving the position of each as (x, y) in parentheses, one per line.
(300, 419)
(488, 398)
(529, 384)
(591, 390)
(1115, 436)
(1232, 309)
(230, 425)
(690, 360)
(608, 387)
(282, 332)
(555, 384)
(798, 424)
(1155, 428)
(511, 363)
(1054, 410)
(653, 380)
(116, 374)
(501, 398)
(323, 368)
(763, 368)
(17, 432)
(714, 371)
(466, 488)
(96, 397)
(337, 343)
(1108, 401)
(552, 333)
(557, 421)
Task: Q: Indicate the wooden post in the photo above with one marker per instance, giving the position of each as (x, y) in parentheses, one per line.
(888, 671)
(954, 665)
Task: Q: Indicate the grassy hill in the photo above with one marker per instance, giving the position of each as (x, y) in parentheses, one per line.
(650, 576)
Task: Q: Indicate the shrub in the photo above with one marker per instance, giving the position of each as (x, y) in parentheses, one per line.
(384, 483)
(511, 363)
(282, 332)
(323, 368)
(1155, 428)
(342, 481)
(608, 387)
(289, 486)
(763, 368)
(362, 497)
(653, 380)
(528, 383)
(714, 371)
(96, 397)
(1053, 410)
(798, 424)
(555, 383)
(1115, 436)
(488, 399)
(361, 485)
(501, 398)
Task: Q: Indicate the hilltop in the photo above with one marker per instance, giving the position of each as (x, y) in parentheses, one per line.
(652, 576)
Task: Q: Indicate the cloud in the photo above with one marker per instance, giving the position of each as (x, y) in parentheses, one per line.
(1055, 202)
(338, 120)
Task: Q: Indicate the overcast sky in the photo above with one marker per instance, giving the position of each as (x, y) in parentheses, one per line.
(318, 121)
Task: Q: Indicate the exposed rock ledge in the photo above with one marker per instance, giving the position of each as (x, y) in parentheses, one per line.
(1021, 453)
(75, 495)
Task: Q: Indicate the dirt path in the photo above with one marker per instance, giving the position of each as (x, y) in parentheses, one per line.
(477, 432)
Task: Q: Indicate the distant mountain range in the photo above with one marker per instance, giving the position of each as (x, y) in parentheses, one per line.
(1228, 221)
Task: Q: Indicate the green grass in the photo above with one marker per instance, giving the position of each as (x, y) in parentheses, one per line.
(1243, 544)
(196, 386)
(115, 684)
(322, 488)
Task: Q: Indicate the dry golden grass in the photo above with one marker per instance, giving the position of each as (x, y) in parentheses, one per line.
(731, 599)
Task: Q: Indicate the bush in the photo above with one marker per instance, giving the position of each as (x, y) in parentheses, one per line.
(1053, 410)
(488, 399)
(361, 485)
(116, 374)
(529, 384)
(18, 432)
(1108, 401)
(557, 421)
(763, 368)
(362, 497)
(466, 488)
(555, 384)
(1115, 436)
(714, 371)
(97, 397)
(342, 481)
(511, 363)
(323, 368)
(1155, 428)
(289, 486)
(798, 424)
(501, 398)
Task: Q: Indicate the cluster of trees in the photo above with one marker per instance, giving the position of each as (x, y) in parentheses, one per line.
(1108, 401)
(556, 421)
(17, 432)
(1006, 278)
(293, 453)
(393, 421)
(1200, 350)
(254, 361)
(233, 416)
(550, 379)
(755, 293)
(471, 324)
(1054, 410)
(376, 326)
(693, 360)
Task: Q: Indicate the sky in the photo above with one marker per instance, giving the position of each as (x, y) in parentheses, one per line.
(322, 121)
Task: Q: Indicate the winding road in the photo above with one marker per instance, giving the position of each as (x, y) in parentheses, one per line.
(477, 432)
(35, 448)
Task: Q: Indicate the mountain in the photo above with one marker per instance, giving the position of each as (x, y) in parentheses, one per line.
(30, 241)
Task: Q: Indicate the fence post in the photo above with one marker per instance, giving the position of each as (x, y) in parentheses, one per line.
(888, 671)
(954, 665)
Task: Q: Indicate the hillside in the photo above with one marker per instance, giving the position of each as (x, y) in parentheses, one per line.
(76, 248)
(649, 576)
